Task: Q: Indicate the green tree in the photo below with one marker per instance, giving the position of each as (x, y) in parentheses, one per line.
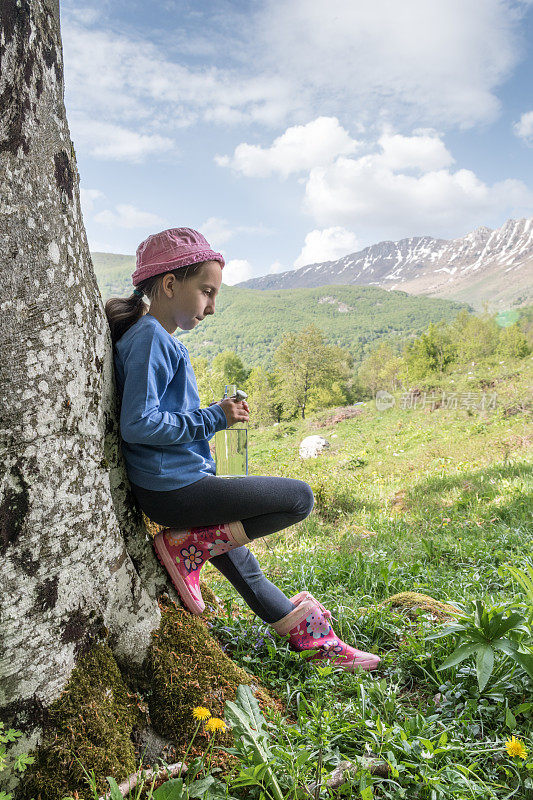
(431, 352)
(204, 380)
(305, 364)
(380, 369)
(526, 324)
(262, 396)
(227, 368)
(475, 337)
(513, 343)
(335, 394)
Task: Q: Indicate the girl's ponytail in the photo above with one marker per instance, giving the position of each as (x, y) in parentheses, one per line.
(122, 313)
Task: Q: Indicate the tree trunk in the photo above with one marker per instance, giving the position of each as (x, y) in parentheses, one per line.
(75, 556)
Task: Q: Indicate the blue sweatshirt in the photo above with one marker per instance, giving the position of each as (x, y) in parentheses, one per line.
(164, 431)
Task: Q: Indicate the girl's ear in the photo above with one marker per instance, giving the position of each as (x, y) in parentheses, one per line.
(168, 284)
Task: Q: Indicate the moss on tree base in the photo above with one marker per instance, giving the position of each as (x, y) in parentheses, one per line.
(95, 716)
(91, 721)
(187, 668)
(152, 528)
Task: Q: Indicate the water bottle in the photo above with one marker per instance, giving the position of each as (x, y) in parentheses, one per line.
(231, 444)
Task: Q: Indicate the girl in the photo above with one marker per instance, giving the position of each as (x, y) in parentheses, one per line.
(164, 439)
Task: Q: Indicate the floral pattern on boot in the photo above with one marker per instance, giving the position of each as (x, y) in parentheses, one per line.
(317, 626)
(218, 548)
(175, 540)
(192, 557)
(183, 553)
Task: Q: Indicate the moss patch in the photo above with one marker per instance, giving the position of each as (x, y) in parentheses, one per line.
(92, 720)
(187, 668)
(213, 605)
(152, 528)
(408, 601)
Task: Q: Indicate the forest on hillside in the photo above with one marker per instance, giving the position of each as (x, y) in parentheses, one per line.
(309, 374)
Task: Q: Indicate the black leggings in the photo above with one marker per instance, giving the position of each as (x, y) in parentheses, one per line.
(262, 504)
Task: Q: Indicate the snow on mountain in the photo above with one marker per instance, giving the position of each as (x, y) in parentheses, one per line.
(494, 266)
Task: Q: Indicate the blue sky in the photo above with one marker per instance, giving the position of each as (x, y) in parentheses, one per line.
(296, 131)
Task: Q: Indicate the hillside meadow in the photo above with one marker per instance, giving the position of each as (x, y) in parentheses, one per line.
(413, 504)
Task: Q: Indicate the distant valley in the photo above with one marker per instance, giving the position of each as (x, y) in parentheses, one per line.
(389, 290)
(252, 323)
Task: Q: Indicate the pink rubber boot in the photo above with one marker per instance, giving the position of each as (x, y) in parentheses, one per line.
(183, 553)
(308, 628)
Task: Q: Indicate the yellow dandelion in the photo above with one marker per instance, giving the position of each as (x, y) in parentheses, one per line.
(201, 713)
(515, 748)
(215, 724)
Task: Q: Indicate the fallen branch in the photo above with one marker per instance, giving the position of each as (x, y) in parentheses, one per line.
(379, 768)
(130, 783)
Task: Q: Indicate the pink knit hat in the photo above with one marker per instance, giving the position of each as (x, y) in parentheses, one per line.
(171, 249)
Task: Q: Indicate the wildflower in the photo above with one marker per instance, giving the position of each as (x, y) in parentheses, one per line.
(201, 713)
(215, 724)
(515, 748)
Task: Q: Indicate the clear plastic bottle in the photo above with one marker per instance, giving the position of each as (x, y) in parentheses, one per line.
(231, 444)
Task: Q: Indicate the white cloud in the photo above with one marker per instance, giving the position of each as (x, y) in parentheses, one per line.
(87, 16)
(108, 246)
(524, 127)
(130, 80)
(366, 194)
(417, 60)
(276, 267)
(381, 67)
(126, 216)
(236, 270)
(114, 142)
(424, 150)
(88, 198)
(298, 149)
(216, 231)
(326, 245)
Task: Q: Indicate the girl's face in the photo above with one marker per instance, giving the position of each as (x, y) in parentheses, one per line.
(188, 302)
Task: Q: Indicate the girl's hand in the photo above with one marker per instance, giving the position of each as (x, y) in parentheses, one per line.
(235, 410)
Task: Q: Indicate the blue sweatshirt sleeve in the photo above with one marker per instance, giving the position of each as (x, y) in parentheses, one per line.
(147, 372)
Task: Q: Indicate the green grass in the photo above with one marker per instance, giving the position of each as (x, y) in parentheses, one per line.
(436, 502)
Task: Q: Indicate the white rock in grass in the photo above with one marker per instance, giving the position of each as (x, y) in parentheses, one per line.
(312, 446)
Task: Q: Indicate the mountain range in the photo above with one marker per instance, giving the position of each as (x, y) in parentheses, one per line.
(485, 266)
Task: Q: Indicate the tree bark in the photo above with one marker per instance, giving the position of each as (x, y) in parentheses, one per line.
(75, 555)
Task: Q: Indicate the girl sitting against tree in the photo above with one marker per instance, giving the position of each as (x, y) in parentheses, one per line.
(165, 437)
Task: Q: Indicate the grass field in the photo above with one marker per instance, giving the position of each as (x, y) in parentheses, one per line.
(409, 499)
(420, 545)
